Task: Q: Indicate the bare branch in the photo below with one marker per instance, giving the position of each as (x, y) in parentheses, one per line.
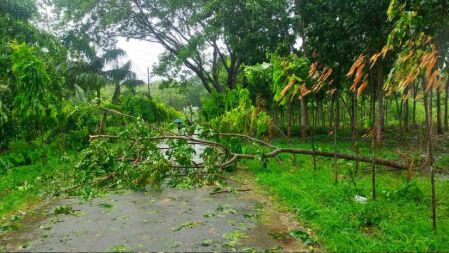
(249, 138)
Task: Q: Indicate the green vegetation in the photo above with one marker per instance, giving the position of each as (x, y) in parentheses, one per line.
(363, 85)
(34, 174)
(398, 220)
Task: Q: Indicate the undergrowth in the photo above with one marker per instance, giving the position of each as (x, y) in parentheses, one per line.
(399, 220)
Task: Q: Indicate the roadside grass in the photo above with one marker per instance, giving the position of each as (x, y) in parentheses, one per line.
(32, 174)
(399, 220)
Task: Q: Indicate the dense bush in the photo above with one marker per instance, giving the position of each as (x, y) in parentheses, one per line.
(6, 130)
(234, 112)
(147, 109)
(78, 121)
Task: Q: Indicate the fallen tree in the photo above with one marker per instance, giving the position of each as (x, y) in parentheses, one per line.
(232, 158)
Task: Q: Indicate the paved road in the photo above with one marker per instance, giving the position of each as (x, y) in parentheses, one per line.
(168, 220)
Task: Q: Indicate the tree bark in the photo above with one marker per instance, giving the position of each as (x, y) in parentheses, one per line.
(406, 115)
(446, 107)
(323, 116)
(335, 139)
(337, 111)
(373, 168)
(415, 94)
(354, 116)
(233, 72)
(303, 120)
(428, 115)
(380, 104)
(331, 114)
(117, 92)
(399, 106)
(315, 116)
(362, 114)
(386, 112)
(354, 131)
(372, 106)
(439, 121)
(289, 119)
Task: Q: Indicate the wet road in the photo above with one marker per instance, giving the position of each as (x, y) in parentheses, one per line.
(167, 220)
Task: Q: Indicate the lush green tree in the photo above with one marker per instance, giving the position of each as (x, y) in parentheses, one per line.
(37, 96)
(335, 33)
(235, 31)
(291, 81)
(90, 72)
(46, 54)
(123, 76)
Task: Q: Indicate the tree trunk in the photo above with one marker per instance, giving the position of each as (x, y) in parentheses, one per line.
(282, 115)
(406, 115)
(233, 72)
(354, 132)
(315, 116)
(337, 111)
(429, 162)
(372, 106)
(116, 96)
(362, 114)
(275, 115)
(439, 121)
(303, 120)
(415, 94)
(98, 96)
(446, 107)
(399, 112)
(373, 168)
(380, 104)
(289, 119)
(331, 114)
(354, 116)
(335, 140)
(323, 116)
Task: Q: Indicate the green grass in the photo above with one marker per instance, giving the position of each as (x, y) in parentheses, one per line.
(399, 220)
(30, 180)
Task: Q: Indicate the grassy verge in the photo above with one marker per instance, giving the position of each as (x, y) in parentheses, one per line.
(32, 174)
(399, 220)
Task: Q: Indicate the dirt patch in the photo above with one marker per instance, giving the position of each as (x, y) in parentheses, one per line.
(277, 223)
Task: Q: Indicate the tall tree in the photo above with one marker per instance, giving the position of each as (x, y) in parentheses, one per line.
(338, 32)
(21, 41)
(90, 72)
(237, 31)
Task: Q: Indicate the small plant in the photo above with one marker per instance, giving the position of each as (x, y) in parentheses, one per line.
(188, 224)
(106, 205)
(67, 210)
(233, 238)
(408, 191)
(6, 228)
(206, 243)
(119, 248)
(303, 236)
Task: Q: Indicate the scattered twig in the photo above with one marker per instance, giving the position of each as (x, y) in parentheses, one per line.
(230, 191)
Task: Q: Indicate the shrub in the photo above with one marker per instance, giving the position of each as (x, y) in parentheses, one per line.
(147, 109)
(78, 122)
(234, 112)
(408, 191)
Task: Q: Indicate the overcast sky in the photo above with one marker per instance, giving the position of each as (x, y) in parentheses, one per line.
(142, 55)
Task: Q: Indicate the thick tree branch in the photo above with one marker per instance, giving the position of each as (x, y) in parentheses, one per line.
(274, 153)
